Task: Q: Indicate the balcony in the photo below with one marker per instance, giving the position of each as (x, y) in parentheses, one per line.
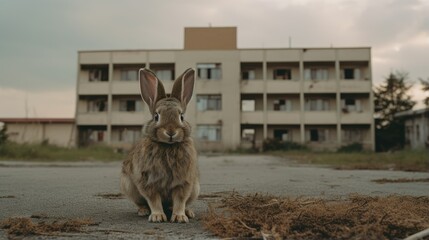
(256, 117)
(283, 86)
(208, 117)
(96, 118)
(357, 118)
(128, 118)
(93, 88)
(205, 86)
(126, 87)
(252, 86)
(283, 117)
(320, 86)
(320, 117)
(355, 86)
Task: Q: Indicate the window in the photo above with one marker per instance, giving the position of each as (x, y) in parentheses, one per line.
(248, 134)
(130, 106)
(248, 75)
(129, 135)
(317, 135)
(96, 135)
(209, 102)
(316, 74)
(352, 135)
(408, 134)
(282, 135)
(317, 105)
(209, 71)
(248, 105)
(97, 105)
(417, 133)
(98, 74)
(129, 75)
(209, 132)
(283, 105)
(165, 74)
(351, 73)
(351, 105)
(284, 74)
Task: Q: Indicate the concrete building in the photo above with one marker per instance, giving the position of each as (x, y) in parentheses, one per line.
(320, 97)
(416, 128)
(55, 131)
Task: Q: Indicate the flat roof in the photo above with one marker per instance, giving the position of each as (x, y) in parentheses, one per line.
(412, 112)
(37, 120)
(238, 49)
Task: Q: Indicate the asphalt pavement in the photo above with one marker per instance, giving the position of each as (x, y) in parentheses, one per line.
(87, 189)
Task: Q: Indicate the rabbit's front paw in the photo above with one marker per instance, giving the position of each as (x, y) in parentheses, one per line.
(157, 217)
(189, 213)
(143, 211)
(180, 218)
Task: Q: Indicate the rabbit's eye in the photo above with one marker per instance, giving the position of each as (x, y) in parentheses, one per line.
(182, 117)
(156, 117)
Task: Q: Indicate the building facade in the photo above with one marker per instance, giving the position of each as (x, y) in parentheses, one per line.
(416, 128)
(320, 97)
(56, 131)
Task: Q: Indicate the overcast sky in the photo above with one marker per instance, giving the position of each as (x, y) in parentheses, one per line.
(40, 39)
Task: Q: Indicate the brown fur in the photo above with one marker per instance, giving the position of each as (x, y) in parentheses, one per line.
(161, 170)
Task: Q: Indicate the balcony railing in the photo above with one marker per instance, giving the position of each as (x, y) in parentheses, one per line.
(357, 118)
(93, 88)
(256, 117)
(320, 117)
(92, 118)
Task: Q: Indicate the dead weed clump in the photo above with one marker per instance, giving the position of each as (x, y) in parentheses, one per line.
(357, 217)
(23, 226)
(400, 180)
(112, 196)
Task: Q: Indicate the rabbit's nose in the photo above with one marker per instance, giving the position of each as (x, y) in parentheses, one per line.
(170, 133)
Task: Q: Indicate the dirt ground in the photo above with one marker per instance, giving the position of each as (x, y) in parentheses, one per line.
(67, 191)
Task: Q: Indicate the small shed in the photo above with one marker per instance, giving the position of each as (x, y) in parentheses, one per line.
(55, 131)
(416, 128)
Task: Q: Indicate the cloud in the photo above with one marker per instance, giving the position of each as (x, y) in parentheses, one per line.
(39, 45)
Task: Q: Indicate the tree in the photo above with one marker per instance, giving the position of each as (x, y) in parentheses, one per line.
(425, 87)
(391, 97)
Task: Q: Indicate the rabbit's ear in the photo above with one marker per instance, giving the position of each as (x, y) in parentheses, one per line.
(183, 87)
(151, 88)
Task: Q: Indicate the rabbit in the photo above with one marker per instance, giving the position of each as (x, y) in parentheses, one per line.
(162, 169)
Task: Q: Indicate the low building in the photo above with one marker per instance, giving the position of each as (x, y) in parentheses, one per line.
(416, 128)
(55, 131)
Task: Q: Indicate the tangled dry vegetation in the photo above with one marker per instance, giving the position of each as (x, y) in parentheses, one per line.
(357, 217)
(400, 180)
(24, 226)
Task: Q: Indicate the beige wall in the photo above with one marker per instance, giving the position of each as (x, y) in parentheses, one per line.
(60, 134)
(233, 89)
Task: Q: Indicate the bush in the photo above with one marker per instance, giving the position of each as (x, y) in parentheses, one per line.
(276, 144)
(3, 133)
(354, 147)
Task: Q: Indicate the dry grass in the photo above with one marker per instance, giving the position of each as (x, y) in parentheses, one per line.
(357, 217)
(416, 161)
(49, 153)
(7, 196)
(23, 226)
(111, 196)
(400, 180)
